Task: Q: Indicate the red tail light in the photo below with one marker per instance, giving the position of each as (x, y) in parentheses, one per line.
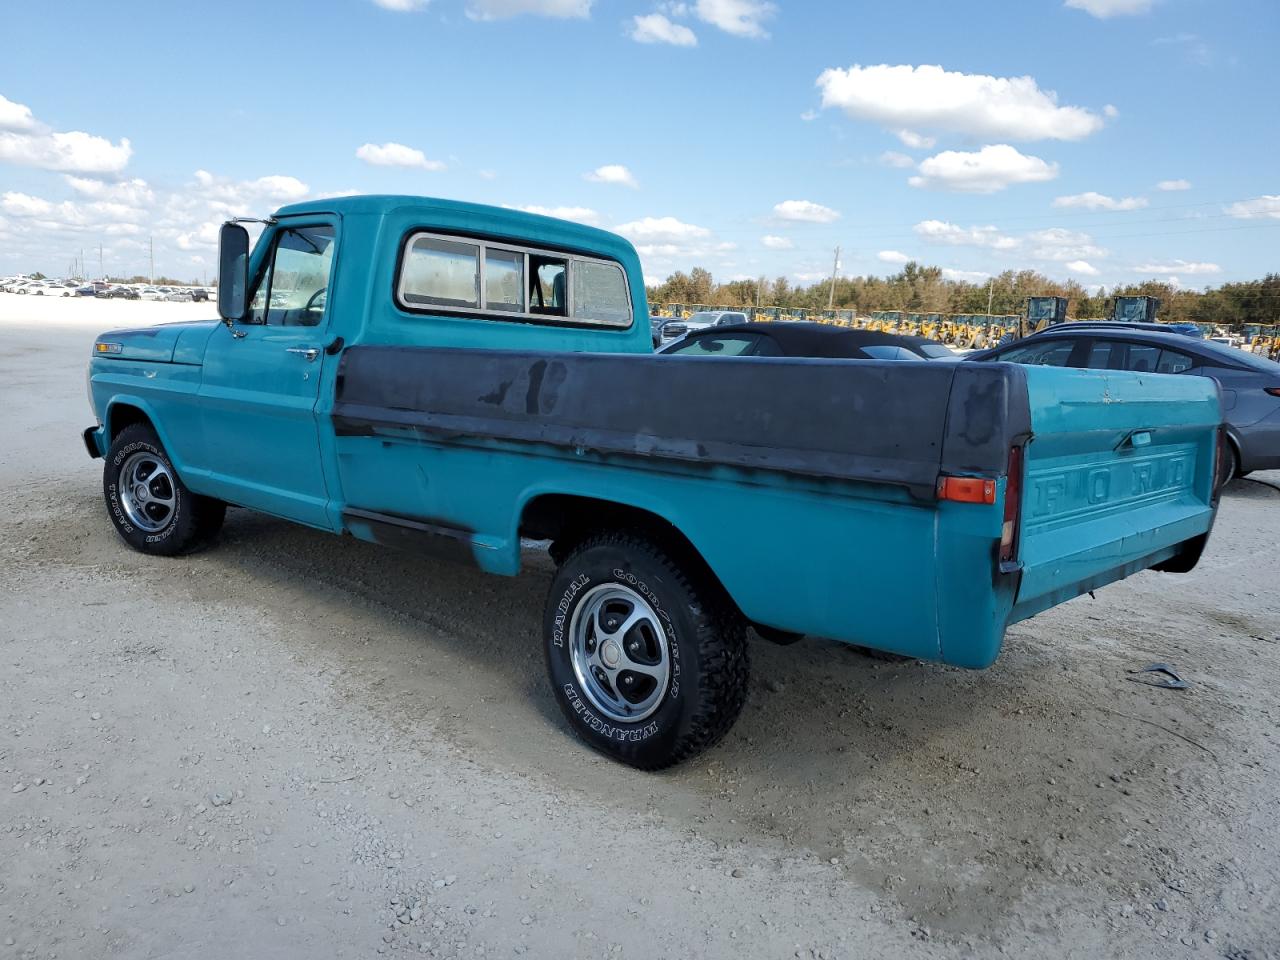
(1012, 507)
(1274, 391)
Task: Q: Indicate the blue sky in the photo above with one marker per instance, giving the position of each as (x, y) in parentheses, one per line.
(744, 136)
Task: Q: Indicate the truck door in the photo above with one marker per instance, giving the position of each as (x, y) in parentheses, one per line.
(261, 381)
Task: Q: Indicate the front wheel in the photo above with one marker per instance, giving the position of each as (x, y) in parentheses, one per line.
(647, 658)
(149, 505)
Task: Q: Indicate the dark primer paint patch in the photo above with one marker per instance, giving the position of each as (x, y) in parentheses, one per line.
(891, 422)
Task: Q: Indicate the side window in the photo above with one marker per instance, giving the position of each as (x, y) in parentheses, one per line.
(1171, 361)
(299, 277)
(1106, 355)
(441, 273)
(1051, 353)
(1143, 359)
(548, 285)
(729, 345)
(600, 293)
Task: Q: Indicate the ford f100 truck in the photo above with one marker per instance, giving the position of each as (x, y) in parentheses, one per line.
(449, 377)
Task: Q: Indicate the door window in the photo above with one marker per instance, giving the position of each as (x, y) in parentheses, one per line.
(1049, 353)
(728, 345)
(293, 288)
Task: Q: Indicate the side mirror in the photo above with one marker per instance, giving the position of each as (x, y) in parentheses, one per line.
(233, 272)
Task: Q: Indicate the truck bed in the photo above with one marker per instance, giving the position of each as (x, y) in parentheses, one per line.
(810, 487)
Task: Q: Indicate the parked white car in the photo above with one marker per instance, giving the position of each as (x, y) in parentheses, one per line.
(179, 295)
(150, 293)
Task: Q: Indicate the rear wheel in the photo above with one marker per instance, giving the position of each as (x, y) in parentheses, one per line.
(150, 506)
(647, 659)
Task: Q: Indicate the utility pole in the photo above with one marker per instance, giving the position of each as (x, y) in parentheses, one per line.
(991, 289)
(835, 267)
(151, 247)
(101, 274)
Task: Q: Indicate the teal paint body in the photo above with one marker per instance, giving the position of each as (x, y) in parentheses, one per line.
(1119, 467)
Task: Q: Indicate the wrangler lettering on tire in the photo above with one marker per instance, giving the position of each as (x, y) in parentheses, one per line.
(647, 659)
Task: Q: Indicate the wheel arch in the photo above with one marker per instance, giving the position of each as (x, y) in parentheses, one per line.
(566, 519)
(124, 411)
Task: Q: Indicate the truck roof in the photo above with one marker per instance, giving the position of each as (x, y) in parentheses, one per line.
(474, 218)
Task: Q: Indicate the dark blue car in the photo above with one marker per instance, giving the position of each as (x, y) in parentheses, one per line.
(1250, 384)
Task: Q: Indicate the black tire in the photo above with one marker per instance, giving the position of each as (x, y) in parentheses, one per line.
(189, 521)
(1229, 467)
(707, 672)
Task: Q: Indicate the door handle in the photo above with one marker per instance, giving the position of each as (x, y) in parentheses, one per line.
(309, 353)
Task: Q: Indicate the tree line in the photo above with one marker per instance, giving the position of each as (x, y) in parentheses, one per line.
(917, 288)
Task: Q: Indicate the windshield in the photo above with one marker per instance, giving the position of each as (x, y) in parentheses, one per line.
(703, 317)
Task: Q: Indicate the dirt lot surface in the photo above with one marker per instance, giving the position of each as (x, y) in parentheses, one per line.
(295, 745)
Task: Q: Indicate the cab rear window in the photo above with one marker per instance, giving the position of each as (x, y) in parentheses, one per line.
(449, 274)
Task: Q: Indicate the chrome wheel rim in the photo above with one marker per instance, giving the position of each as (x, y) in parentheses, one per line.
(620, 653)
(147, 491)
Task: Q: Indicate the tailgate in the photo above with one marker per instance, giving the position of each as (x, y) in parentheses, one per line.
(1119, 473)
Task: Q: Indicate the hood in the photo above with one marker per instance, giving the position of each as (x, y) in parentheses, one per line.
(166, 343)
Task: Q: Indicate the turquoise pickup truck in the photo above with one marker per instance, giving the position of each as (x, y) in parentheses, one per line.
(452, 378)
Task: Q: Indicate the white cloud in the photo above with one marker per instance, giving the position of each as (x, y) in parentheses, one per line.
(661, 230)
(23, 205)
(612, 173)
(906, 97)
(942, 231)
(1176, 267)
(1105, 9)
(1174, 185)
(892, 158)
(987, 171)
(396, 155)
(579, 214)
(804, 211)
(774, 242)
(1111, 111)
(1083, 267)
(915, 140)
(15, 116)
(968, 276)
(655, 28)
(892, 256)
(1256, 209)
(402, 6)
(504, 9)
(1060, 245)
(742, 18)
(74, 152)
(26, 141)
(1099, 201)
(809, 115)
(133, 192)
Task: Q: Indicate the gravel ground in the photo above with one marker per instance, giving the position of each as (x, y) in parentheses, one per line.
(296, 745)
